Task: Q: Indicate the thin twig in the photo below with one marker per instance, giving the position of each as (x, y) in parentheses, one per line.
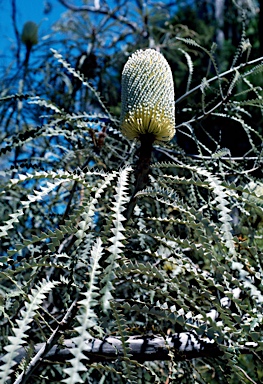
(18, 41)
(231, 70)
(45, 347)
(246, 375)
(210, 158)
(102, 11)
(228, 158)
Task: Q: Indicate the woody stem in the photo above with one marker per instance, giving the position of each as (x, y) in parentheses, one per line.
(142, 170)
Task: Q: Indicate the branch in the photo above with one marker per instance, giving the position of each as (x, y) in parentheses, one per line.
(102, 11)
(183, 346)
(231, 70)
(18, 39)
(142, 348)
(42, 349)
(168, 152)
(179, 346)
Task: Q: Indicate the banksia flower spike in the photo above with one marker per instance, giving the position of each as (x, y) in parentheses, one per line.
(148, 112)
(30, 33)
(147, 97)
(29, 37)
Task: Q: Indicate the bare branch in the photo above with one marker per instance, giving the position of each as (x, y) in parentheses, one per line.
(183, 346)
(102, 11)
(18, 40)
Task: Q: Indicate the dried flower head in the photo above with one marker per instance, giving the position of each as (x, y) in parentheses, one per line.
(147, 97)
(30, 33)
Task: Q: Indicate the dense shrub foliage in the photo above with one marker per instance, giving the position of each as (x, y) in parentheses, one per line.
(187, 265)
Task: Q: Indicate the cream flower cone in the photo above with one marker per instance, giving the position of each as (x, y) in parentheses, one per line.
(147, 97)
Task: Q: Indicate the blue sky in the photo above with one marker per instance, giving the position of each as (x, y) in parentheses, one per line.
(26, 10)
